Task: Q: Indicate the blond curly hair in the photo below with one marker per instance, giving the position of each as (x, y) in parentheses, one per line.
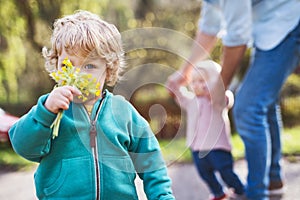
(84, 34)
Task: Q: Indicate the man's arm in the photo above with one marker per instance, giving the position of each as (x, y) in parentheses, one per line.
(232, 57)
(238, 17)
(203, 45)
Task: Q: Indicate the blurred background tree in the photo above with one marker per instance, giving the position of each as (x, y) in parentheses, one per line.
(26, 27)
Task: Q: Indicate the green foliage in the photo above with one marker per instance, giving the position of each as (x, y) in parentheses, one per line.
(290, 99)
(290, 108)
(26, 27)
(290, 141)
(175, 150)
(292, 86)
(12, 57)
(156, 106)
(9, 160)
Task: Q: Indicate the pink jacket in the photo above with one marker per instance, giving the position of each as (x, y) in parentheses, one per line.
(208, 125)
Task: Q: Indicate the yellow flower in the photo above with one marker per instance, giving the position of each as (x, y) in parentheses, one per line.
(98, 93)
(69, 75)
(64, 69)
(67, 62)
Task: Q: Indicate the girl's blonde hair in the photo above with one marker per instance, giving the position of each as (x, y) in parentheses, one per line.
(211, 69)
(85, 35)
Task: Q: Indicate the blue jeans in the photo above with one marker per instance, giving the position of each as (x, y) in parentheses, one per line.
(217, 161)
(257, 113)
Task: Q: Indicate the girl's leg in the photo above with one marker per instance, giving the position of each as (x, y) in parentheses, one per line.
(206, 172)
(223, 163)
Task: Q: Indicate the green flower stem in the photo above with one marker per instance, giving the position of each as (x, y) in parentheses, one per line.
(56, 123)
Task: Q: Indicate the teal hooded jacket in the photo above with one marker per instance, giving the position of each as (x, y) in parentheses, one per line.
(71, 168)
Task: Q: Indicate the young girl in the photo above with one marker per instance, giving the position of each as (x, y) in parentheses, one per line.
(208, 129)
(103, 141)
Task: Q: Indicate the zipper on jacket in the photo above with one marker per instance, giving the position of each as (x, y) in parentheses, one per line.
(93, 144)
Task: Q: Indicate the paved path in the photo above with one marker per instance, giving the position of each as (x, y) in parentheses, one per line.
(186, 183)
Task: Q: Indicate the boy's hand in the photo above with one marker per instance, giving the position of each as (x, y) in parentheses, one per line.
(60, 98)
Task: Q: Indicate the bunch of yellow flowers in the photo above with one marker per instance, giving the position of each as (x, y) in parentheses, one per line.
(70, 75)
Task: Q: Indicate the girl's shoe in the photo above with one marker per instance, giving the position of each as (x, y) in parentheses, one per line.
(234, 196)
(238, 197)
(223, 197)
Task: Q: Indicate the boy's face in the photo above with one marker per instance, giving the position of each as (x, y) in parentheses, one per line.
(95, 66)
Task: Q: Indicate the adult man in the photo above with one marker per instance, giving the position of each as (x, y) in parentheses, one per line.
(274, 29)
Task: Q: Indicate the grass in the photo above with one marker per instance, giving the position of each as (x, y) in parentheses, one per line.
(11, 161)
(173, 151)
(176, 151)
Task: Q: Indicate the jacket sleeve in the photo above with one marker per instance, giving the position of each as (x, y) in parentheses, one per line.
(148, 161)
(229, 99)
(31, 135)
(179, 92)
(231, 20)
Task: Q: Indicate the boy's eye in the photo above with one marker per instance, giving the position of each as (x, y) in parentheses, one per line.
(89, 66)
